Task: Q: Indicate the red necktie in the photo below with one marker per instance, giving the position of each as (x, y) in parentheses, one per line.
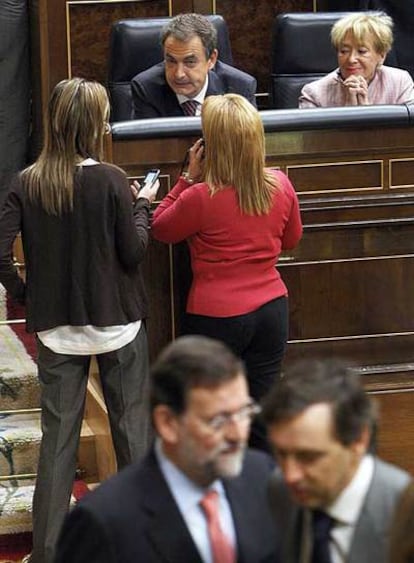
(189, 107)
(221, 548)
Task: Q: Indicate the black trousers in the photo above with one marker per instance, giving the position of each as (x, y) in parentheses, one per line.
(259, 339)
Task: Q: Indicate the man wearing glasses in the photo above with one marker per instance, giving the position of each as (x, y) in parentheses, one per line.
(199, 496)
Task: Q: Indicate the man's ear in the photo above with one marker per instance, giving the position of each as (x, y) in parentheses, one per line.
(213, 59)
(361, 445)
(166, 423)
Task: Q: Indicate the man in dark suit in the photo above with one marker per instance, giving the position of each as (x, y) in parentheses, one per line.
(190, 72)
(333, 501)
(153, 511)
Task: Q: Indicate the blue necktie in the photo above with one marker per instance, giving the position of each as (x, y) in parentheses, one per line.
(321, 524)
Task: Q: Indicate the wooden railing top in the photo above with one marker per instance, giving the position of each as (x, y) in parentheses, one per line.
(275, 121)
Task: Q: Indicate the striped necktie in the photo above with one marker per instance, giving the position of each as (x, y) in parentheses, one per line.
(221, 548)
(190, 107)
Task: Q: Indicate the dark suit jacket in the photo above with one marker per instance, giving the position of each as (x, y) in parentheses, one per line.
(133, 518)
(370, 541)
(152, 97)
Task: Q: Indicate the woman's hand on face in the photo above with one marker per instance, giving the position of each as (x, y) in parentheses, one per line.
(147, 191)
(195, 163)
(357, 90)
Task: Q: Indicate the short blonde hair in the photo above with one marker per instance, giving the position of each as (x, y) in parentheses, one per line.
(235, 152)
(375, 26)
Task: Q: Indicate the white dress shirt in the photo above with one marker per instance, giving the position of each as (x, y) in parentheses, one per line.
(199, 98)
(346, 509)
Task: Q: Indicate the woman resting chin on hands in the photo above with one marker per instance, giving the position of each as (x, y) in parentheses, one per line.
(357, 91)
(362, 41)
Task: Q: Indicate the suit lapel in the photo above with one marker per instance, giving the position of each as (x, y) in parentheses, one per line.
(170, 103)
(247, 523)
(371, 534)
(215, 84)
(166, 530)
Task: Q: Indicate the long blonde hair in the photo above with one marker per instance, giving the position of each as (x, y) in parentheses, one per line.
(235, 152)
(75, 123)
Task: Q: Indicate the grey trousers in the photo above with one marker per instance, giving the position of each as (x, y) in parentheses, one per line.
(124, 376)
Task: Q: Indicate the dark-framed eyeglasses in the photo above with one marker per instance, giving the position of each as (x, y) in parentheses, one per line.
(244, 415)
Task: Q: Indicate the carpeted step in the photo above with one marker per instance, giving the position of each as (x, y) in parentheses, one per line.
(16, 497)
(19, 387)
(19, 391)
(20, 436)
(16, 506)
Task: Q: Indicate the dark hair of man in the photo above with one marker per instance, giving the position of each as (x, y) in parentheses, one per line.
(184, 26)
(189, 362)
(310, 382)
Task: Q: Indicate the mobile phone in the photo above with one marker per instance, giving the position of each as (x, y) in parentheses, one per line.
(151, 176)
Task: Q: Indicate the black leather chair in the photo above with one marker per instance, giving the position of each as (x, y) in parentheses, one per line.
(302, 52)
(135, 45)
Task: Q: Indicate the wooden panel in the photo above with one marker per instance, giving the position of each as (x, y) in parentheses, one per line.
(89, 26)
(350, 297)
(181, 6)
(350, 280)
(337, 145)
(332, 177)
(355, 240)
(360, 350)
(250, 26)
(359, 208)
(402, 173)
(395, 431)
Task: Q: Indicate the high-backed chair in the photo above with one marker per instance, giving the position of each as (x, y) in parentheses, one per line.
(302, 52)
(135, 45)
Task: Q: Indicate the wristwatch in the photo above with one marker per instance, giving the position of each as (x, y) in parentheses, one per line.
(187, 177)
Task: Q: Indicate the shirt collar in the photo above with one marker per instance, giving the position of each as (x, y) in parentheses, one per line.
(200, 96)
(347, 507)
(87, 162)
(180, 485)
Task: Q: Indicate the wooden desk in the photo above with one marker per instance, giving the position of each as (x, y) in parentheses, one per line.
(351, 280)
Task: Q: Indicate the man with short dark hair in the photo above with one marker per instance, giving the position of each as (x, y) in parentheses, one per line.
(190, 72)
(199, 496)
(333, 501)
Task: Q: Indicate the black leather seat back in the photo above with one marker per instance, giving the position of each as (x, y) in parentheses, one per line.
(301, 52)
(135, 45)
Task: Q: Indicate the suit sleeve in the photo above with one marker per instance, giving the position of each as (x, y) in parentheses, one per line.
(131, 228)
(251, 92)
(83, 539)
(142, 106)
(10, 225)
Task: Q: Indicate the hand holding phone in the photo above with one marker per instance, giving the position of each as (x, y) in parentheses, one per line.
(151, 176)
(149, 187)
